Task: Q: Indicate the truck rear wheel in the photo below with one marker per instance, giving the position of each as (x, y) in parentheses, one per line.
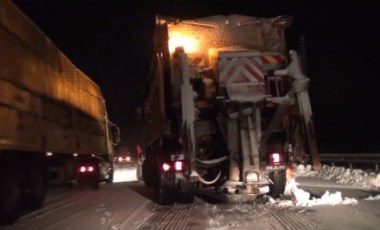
(165, 191)
(10, 194)
(35, 186)
(186, 193)
(146, 177)
(278, 178)
(110, 178)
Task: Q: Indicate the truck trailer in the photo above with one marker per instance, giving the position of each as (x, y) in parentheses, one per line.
(227, 108)
(53, 118)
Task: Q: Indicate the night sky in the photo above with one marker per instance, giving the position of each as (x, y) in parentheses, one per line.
(111, 41)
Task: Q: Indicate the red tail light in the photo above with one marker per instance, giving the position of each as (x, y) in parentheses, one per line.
(165, 167)
(86, 169)
(176, 166)
(82, 169)
(276, 158)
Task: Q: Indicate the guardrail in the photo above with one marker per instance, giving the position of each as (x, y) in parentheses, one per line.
(353, 160)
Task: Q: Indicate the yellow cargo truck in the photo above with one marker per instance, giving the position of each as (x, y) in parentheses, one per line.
(52, 117)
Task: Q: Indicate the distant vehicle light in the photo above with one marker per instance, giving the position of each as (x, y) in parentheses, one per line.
(82, 169)
(124, 159)
(86, 169)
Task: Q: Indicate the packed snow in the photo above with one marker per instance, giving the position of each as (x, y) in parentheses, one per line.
(120, 206)
(353, 177)
(342, 175)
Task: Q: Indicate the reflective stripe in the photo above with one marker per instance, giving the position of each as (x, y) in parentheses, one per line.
(273, 59)
(235, 70)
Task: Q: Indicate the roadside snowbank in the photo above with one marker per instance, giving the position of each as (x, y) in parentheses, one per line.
(354, 177)
(301, 198)
(342, 175)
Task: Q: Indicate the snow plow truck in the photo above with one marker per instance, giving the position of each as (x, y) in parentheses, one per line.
(227, 108)
(54, 126)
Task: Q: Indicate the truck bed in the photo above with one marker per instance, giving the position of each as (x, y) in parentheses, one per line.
(46, 103)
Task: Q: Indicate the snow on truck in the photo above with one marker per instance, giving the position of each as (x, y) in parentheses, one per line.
(227, 108)
(53, 120)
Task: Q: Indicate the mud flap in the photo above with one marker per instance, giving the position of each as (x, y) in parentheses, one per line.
(165, 190)
(278, 178)
(186, 193)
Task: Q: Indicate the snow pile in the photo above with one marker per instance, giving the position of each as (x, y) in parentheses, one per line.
(377, 197)
(355, 177)
(301, 198)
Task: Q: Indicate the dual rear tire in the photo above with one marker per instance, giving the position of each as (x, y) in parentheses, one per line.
(169, 191)
(10, 195)
(278, 178)
(23, 185)
(165, 190)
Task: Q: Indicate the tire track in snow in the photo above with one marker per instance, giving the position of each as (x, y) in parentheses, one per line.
(65, 200)
(80, 201)
(292, 219)
(174, 217)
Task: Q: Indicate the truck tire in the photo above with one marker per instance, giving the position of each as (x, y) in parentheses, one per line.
(35, 185)
(10, 194)
(110, 178)
(278, 178)
(95, 180)
(186, 193)
(145, 175)
(165, 191)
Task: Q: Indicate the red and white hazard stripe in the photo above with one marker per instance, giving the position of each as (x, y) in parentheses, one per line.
(273, 59)
(243, 69)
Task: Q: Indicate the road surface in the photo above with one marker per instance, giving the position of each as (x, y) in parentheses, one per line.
(129, 205)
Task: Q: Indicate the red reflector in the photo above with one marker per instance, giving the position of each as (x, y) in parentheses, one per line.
(178, 165)
(165, 167)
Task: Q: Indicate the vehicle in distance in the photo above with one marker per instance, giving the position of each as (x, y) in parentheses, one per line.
(125, 158)
(93, 170)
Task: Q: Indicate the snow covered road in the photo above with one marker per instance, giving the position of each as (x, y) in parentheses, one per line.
(129, 205)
